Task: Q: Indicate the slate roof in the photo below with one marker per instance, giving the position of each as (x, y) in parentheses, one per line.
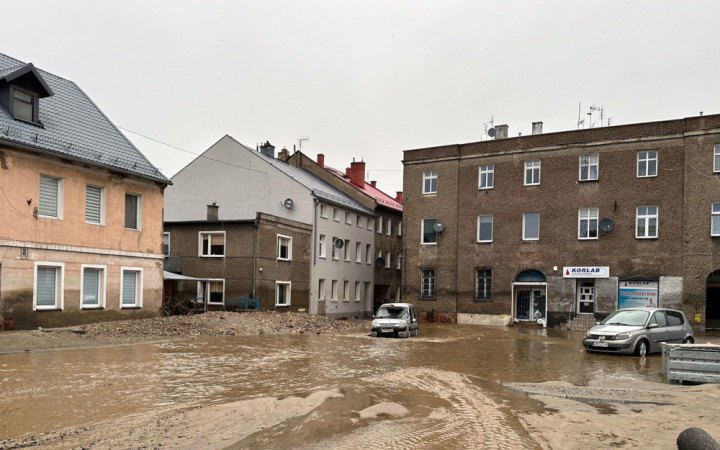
(73, 127)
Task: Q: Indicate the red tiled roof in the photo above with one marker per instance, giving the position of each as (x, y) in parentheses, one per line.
(379, 196)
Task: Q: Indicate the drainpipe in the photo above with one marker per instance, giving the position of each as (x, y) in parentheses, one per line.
(254, 280)
(314, 240)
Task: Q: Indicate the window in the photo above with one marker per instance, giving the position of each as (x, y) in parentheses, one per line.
(427, 290)
(389, 227)
(212, 291)
(379, 225)
(323, 212)
(94, 205)
(486, 178)
(588, 223)
(166, 244)
(715, 220)
(92, 286)
(398, 293)
(399, 229)
(589, 168)
(24, 105)
(367, 292)
(321, 246)
(370, 223)
(429, 235)
(51, 194)
(368, 253)
(532, 173)
(321, 289)
(336, 218)
(358, 252)
(131, 291)
(531, 226)
(399, 262)
(387, 260)
(333, 292)
(379, 255)
(586, 296)
(647, 222)
(485, 228)
(132, 212)
(49, 289)
(348, 218)
(647, 164)
(716, 159)
(346, 290)
(284, 248)
(346, 248)
(282, 293)
(335, 250)
(358, 221)
(358, 293)
(212, 244)
(674, 318)
(430, 182)
(483, 284)
(658, 318)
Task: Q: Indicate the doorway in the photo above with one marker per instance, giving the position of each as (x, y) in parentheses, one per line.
(529, 297)
(586, 297)
(712, 301)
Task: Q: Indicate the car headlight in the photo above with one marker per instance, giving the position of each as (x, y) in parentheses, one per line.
(401, 323)
(374, 323)
(588, 334)
(623, 336)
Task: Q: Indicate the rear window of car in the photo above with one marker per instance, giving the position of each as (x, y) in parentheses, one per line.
(674, 318)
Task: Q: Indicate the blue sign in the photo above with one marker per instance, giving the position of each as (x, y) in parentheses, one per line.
(637, 294)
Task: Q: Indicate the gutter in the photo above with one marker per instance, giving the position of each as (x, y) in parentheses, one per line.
(256, 223)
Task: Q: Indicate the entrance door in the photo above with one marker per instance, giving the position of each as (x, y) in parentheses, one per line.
(522, 303)
(712, 306)
(529, 303)
(586, 297)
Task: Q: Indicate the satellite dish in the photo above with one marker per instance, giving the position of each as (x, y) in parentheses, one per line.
(606, 224)
(379, 263)
(438, 227)
(339, 243)
(288, 203)
(491, 132)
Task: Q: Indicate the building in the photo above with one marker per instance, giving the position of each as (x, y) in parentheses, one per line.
(81, 221)
(388, 220)
(558, 227)
(317, 237)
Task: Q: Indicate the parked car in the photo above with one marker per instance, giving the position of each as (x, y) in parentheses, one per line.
(639, 331)
(395, 319)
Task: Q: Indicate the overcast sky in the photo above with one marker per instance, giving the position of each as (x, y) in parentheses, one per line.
(369, 79)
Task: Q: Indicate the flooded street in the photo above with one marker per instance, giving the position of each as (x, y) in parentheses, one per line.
(442, 389)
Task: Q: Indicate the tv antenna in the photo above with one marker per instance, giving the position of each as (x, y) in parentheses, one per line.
(490, 131)
(300, 141)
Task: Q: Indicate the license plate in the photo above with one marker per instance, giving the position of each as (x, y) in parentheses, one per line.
(386, 330)
(600, 344)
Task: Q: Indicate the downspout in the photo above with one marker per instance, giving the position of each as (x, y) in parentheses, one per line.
(457, 232)
(315, 214)
(254, 279)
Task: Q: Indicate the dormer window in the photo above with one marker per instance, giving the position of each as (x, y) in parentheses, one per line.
(21, 88)
(23, 106)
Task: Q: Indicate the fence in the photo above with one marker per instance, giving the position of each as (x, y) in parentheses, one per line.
(691, 362)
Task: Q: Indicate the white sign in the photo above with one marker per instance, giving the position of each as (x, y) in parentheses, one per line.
(586, 272)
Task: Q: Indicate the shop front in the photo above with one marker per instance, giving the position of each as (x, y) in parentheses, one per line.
(585, 286)
(529, 292)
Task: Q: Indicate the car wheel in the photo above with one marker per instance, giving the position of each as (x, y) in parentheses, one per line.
(688, 340)
(642, 348)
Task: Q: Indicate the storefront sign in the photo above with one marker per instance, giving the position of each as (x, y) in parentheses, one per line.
(637, 294)
(586, 272)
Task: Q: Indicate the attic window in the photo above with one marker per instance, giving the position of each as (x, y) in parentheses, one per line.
(24, 105)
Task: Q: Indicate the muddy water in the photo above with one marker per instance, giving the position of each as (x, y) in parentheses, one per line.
(449, 380)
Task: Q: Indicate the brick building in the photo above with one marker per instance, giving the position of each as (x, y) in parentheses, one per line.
(555, 227)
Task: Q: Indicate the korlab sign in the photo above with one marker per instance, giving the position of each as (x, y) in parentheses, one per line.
(586, 272)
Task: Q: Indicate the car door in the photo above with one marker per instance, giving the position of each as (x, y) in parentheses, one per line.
(660, 333)
(675, 322)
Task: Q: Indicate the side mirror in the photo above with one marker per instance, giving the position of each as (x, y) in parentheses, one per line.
(652, 325)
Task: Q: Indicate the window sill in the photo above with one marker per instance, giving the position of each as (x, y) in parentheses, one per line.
(284, 259)
(530, 241)
(96, 224)
(648, 238)
(588, 239)
(483, 242)
(49, 217)
(588, 181)
(130, 307)
(92, 307)
(133, 229)
(423, 299)
(284, 305)
(486, 188)
(647, 176)
(211, 256)
(531, 185)
(429, 194)
(47, 308)
(429, 243)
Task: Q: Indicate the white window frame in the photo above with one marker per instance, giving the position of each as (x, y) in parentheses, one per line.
(166, 233)
(714, 216)
(524, 237)
(399, 261)
(102, 205)
(358, 252)
(281, 237)
(334, 290)
(102, 287)
(646, 162)
(379, 254)
(358, 220)
(387, 260)
(589, 164)
(346, 290)
(716, 158)
(492, 228)
(371, 223)
(489, 171)
(422, 232)
(321, 288)
(60, 197)
(323, 212)
(589, 218)
(200, 244)
(348, 217)
(59, 290)
(428, 178)
(646, 218)
(399, 228)
(138, 219)
(289, 293)
(432, 285)
(368, 253)
(531, 167)
(139, 288)
(346, 247)
(336, 218)
(334, 251)
(322, 246)
(379, 225)
(205, 293)
(358, 290)
(389, 227)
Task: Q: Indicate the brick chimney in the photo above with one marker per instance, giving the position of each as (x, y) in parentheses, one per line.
(373, 183)
(537, 128)
(212, 212)
(356, 173)
(267, 149)
(501, 132)
(284, 155)
(321, 160)
(398, 197)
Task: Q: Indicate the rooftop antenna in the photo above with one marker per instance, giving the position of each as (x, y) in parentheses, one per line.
(489, 131)
(580, 121)
(594, 108)
(300, 141)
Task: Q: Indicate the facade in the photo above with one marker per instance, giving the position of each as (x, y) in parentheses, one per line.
(552, 228)
(245, 184)
(81, 221)
(387, 257)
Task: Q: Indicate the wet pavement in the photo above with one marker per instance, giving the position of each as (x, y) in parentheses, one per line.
(449, 379)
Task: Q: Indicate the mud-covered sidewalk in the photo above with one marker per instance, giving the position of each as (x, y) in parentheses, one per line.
(163, 328)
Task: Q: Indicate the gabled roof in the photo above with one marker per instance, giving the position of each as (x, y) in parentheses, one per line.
(73, 127)
(27, 70)
(379, 196)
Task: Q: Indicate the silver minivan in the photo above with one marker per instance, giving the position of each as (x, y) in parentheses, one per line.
(395, 319)
(639, 331)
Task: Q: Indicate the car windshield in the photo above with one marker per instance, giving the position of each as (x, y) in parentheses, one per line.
(629, 318)
(392, 313)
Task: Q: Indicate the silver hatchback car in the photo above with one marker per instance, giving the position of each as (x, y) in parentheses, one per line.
(639, 331)
(395, 319)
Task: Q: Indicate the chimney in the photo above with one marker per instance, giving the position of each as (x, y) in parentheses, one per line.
(373, 183)
(268, 149)
(501, 132)
(284, 155)
(398, 197)
(321, 160)
(537, 128)
(212, 212)
(356, 173)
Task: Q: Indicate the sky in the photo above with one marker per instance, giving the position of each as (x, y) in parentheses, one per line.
(368, 79)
